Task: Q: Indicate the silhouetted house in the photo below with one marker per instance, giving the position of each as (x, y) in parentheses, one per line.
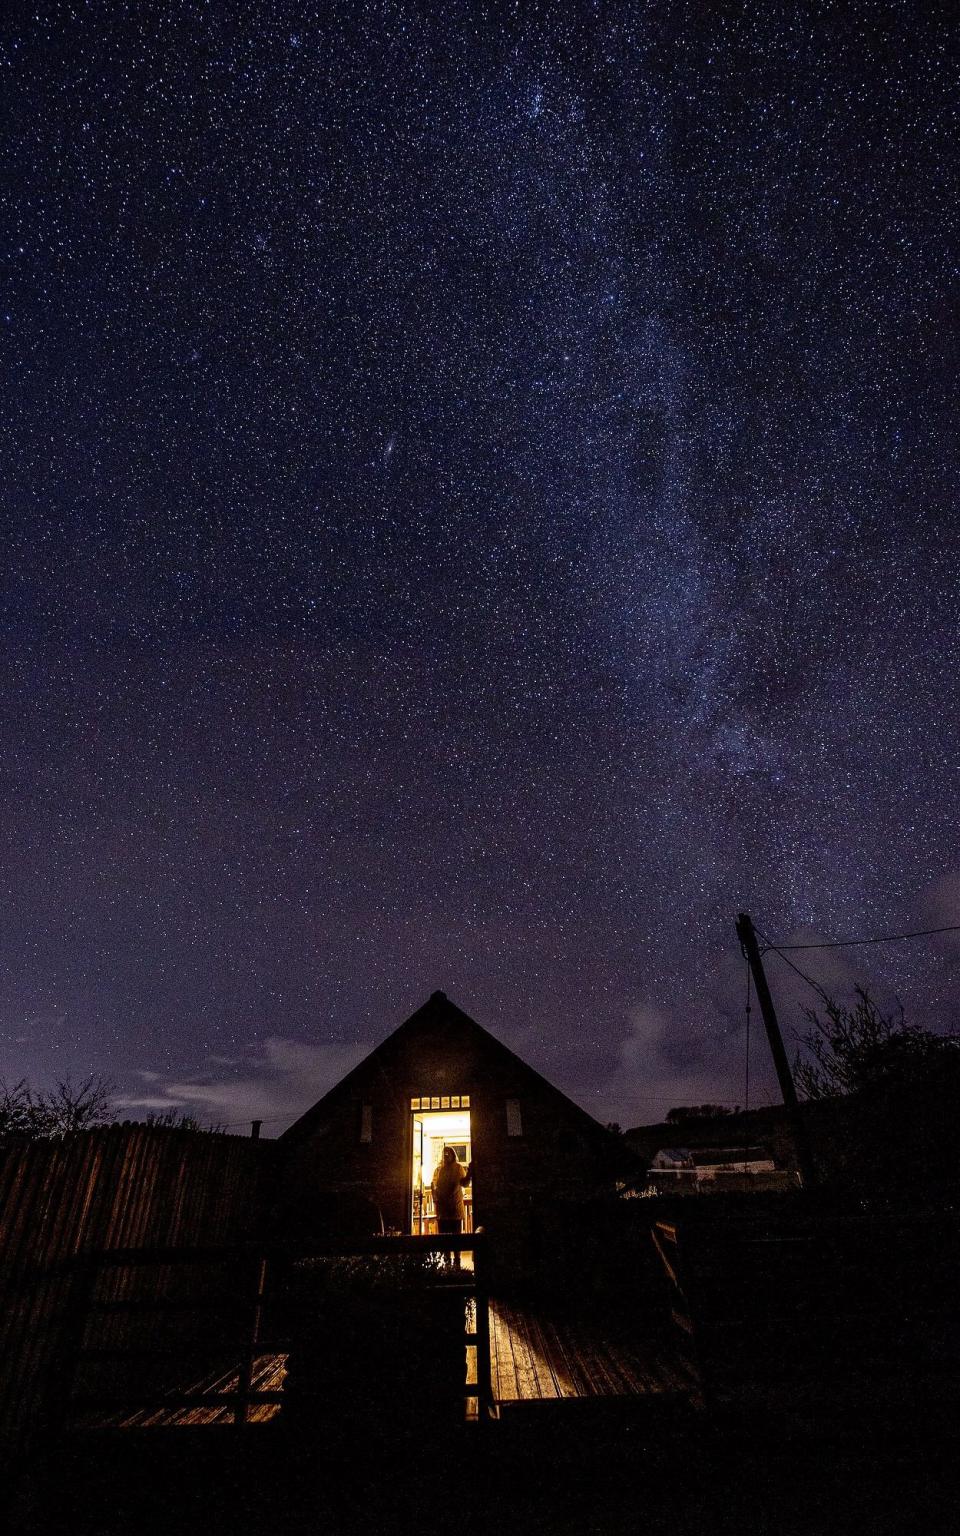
(367, 1151)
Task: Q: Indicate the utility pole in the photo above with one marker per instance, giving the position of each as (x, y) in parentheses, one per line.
(746, 933)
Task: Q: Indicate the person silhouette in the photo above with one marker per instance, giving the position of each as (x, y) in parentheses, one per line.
(447, 1184)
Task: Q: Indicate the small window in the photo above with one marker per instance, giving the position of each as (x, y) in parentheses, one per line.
(366, 1122)
(414, 1103)
(514, 1121)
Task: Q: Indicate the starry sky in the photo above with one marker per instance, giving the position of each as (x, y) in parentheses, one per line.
(480, 502)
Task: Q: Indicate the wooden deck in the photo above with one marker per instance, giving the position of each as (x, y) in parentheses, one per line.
(534, 1356)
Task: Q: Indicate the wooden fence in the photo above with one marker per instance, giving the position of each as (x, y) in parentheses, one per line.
(143, 1350)
(832, 1318)
(121, 1187)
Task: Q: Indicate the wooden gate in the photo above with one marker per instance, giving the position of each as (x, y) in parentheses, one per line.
(181, 1335)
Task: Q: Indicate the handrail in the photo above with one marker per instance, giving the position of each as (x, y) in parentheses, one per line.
(258, 1256)
(333, 1249)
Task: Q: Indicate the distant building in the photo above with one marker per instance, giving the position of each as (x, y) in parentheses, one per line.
(765, 1133)
(706, 1161)
(704, 1169)
(364, 1155)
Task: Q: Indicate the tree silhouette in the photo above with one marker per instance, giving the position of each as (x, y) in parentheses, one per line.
(66, 1107)
(863, 1050)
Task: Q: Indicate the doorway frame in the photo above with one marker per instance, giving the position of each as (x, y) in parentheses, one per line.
(432, 1104)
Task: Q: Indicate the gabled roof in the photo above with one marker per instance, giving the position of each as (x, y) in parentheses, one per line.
(438, 1014)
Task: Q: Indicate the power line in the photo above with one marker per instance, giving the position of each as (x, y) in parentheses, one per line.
(772, 948)
(883, 938)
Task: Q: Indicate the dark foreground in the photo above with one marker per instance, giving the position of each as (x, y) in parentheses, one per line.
(572, 1468)
(828, 1355)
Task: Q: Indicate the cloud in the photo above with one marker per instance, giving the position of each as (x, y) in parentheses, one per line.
(665, 1059)
(659, 1067)
(278, 1083)
(146, 1103)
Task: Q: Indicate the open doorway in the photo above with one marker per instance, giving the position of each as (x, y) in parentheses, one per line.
(433, 1128)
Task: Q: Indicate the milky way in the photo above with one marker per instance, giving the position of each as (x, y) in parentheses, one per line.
(481, 494)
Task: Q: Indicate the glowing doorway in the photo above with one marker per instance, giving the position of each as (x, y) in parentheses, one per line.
(434, 1129)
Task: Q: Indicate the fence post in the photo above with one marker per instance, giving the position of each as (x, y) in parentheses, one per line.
(482, 1302)
(245, 1381)
(666, 1241)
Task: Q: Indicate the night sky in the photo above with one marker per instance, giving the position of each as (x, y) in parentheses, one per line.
(480, 501)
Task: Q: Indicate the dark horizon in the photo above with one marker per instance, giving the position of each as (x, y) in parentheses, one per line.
(481, 501)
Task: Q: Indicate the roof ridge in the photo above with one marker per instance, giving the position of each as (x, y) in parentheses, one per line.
(437, 1002)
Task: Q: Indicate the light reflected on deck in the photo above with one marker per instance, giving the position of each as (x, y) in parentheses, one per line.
(534, 1356)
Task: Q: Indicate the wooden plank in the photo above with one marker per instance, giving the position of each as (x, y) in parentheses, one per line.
(524, 1321)
(607, 1355)
(494, 1354)
(641, 1382)
(230, 1306)
(594, 1360)
(527, 1387)
(587, 1384)
(542, 1365)
(506, 1375)
(563, 1385)
(122, 1351)
(173, 1400)
(610, 1367)
(566, 1358)
(508, 1390)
